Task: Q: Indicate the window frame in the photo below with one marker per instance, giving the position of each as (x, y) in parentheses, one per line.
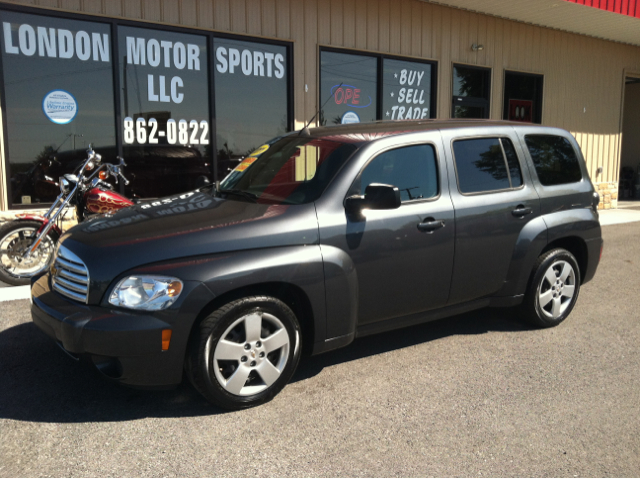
(504, 158)
(472, 101)
(354, 189)
(380, 57)
(116, 62)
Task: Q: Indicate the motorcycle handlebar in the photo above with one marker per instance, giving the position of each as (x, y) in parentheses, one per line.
(126, 182)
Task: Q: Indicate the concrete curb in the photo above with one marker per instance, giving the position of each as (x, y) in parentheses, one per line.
(615, 217)
(15, 292)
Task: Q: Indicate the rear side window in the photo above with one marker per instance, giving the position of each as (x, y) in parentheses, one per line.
(486, 164)
(412, 169)
(554, 158)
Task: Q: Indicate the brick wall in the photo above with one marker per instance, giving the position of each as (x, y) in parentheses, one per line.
(608, 192)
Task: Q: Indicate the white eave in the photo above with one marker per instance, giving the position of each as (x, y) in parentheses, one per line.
(558, 14)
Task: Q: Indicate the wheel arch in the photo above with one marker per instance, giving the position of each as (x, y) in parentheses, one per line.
(576, 246)
(290, 294)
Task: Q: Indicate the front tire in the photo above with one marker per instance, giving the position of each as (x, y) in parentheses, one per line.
(553, 289)
(15, 238)
(244, 353)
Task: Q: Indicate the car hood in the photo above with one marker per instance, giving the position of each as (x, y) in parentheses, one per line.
(187, 225)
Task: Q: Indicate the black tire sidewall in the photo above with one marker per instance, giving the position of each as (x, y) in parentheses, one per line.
(8, 228)
(537, 314)
(214, 326)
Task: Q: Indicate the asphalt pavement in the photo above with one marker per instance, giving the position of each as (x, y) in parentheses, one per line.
(479, 394)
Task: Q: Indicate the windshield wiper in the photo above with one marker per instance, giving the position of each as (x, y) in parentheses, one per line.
(245, 194)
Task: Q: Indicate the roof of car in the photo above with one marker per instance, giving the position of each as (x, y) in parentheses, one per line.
(363, 132)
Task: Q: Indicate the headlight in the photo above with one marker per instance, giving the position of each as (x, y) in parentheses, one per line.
(149, 293)
(65, 187)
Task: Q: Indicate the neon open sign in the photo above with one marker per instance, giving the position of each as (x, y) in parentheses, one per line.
(349, 95)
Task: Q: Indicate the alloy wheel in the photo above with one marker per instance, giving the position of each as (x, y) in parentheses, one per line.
(251, 354)
(557, 289)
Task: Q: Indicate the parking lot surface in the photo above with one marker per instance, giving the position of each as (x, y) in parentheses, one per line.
(479, 394)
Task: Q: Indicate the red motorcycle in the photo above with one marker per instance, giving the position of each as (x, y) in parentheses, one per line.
(28, 242)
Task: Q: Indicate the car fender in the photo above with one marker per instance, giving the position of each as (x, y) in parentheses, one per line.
(341, 283)
(299, 266)
(542, 231)
(40, 218)
(531, 241)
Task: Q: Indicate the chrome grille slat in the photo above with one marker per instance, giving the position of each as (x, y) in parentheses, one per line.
(64, 291)
(71, 277)
(78, 288)
(76, 268)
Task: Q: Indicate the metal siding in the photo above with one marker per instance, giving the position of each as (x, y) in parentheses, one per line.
(188, 10)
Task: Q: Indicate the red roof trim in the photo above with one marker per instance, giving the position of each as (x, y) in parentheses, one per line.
(630, 8)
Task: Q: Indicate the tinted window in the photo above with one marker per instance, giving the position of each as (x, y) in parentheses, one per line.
(470, 92)
(58, 85)
(470, 82)
(412, 169)
(555, 161)
(251, 98)
(165, 110)
(348, 86)
(406, 90)
(512, 162)
(522, 97)
(481, 165)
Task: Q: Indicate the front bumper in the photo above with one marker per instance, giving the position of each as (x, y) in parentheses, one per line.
(125, 346)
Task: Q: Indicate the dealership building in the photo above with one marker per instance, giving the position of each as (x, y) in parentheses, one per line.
(184, 89)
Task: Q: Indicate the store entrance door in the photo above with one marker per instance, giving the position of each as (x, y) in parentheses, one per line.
(629, 187)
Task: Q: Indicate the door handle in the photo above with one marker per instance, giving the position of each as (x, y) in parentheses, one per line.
(522, 211)
(429, 225)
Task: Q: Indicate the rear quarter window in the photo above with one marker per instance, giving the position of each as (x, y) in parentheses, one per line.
(555, 160)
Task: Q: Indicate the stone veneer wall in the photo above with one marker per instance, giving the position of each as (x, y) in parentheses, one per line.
(608, 192)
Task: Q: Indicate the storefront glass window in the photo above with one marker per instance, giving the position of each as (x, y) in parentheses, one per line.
(58, 91)
(166, 134)
(348, 85)
(406, 91)
(522, 97)
(471, 87)
(251, 98)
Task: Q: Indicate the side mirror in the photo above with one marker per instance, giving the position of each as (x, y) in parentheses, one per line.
(376, 197)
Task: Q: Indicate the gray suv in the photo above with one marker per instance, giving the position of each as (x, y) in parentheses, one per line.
(320, 237)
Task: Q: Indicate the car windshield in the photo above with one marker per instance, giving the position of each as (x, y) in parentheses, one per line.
(293, 170)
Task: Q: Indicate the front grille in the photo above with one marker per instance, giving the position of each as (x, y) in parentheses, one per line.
(70, 276)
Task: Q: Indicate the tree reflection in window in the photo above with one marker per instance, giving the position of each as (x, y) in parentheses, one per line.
(554, 159)
(482, 165)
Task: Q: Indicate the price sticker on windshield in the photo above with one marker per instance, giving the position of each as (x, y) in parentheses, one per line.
(260, 150)
(245, 164)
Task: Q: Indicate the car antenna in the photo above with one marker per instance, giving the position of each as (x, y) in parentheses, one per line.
(305, 130)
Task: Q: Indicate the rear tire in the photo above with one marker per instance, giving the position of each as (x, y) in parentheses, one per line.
(244, 353)
(553, 289)
(15, 238)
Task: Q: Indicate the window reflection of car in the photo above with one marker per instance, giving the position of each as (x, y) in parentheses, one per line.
(153, 171)
(163, 170)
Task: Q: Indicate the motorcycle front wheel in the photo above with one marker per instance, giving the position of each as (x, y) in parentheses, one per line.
(15, 238)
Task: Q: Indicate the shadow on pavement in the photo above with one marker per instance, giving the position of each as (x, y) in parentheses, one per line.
(39, 383)
(474, 322)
